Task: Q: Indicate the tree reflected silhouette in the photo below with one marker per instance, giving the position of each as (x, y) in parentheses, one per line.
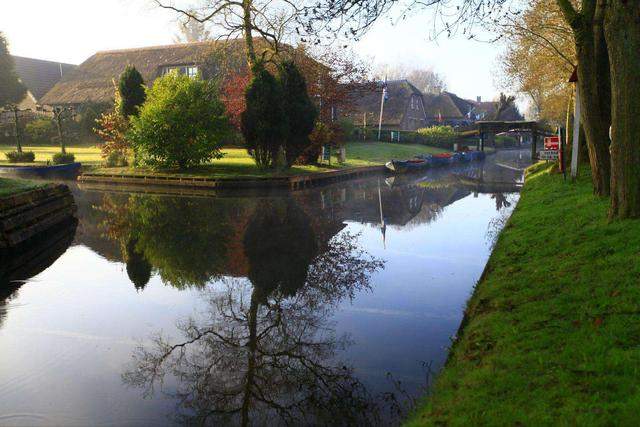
(265, 352)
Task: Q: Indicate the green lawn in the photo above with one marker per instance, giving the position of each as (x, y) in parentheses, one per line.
(379, 153)
(84, 154)
(12, 186)
(553, 331)
(236, 161)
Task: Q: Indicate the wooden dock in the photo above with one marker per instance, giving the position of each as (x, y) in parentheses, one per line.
(294, 182)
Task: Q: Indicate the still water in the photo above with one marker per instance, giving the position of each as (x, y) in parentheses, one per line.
(331, 306)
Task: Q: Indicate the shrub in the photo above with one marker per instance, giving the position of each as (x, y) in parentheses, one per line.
(131, 89)
(300, 111)
(20, 157)
(63, 158)
(321, 135)
(264, 121)
(116, 159)
(41, 132)
(181, 124)
(88, 120)
(348, 129)
(112, 128)
(503, 141)
(437, 135)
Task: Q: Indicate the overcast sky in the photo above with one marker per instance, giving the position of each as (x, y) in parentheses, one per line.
(73, 30)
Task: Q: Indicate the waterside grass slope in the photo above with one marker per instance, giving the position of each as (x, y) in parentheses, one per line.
(552, 333)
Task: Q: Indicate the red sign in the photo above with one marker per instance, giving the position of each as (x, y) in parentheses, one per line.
(552, 143)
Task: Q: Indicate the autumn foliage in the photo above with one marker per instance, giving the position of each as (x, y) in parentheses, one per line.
(232, 97)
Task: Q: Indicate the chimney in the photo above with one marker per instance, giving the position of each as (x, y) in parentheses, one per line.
(478, 98)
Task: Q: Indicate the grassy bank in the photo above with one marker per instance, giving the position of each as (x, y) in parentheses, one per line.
(236, 161)
(9, 187)
(553, 330)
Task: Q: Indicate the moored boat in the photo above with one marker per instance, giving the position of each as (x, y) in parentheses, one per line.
(404, 166)
(427, 160)
(442, 159)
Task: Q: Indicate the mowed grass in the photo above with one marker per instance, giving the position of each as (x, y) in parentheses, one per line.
(9, 187)
(553, 331)
(237, 162)
(86, 155)
(378, 153)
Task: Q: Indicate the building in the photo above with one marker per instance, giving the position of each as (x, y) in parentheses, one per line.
(408, 109)
(39, 77)
(93, 81)
(403, 107)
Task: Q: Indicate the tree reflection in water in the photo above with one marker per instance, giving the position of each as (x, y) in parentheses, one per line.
(265, 353)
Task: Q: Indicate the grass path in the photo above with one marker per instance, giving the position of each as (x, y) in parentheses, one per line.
(553, 331)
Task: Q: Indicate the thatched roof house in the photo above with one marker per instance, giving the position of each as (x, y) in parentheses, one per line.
(441, 109)
(403, 106)
(92, 81)
(39, 76)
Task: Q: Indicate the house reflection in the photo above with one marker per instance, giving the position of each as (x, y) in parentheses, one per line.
(190, 241)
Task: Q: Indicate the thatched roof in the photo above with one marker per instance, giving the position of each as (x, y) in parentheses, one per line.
(92, 81)
(441, 105)
(487, 110)
(463, 105)
(40, 76)
(398, 97)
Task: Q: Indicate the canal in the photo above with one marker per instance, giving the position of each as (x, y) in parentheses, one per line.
(328, 306)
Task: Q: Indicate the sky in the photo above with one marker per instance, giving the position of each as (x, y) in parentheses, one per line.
(73, 30)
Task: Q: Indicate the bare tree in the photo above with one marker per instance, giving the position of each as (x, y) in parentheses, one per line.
(425, 79)
(268, 20)
(191, 31)
(266, 351)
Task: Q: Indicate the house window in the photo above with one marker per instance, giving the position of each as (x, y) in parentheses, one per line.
(186, 70)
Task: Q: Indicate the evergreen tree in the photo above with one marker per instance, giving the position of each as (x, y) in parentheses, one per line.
(300, 111)
(12, 91)
(264, 122)
(131, 89)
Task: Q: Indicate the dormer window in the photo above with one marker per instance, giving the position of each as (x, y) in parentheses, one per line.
(186, 70)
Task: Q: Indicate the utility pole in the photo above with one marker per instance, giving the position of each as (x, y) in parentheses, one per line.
(384, 95)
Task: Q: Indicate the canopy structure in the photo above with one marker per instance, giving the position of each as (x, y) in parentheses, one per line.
(494, 127)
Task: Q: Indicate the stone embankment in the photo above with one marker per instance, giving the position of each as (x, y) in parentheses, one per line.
(30, 213)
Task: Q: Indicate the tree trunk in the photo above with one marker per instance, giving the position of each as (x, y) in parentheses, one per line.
(249, 48)
(622, 30)
(595, 98)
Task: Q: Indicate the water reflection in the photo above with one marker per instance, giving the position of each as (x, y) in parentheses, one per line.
(257, 308)
(265, 351)
(31, 258)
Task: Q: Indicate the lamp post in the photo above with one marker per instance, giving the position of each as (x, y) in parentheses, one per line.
(576, 125)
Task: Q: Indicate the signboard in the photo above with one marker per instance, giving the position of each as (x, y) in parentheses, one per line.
(326, 153)
(552, 143)
(548, 155)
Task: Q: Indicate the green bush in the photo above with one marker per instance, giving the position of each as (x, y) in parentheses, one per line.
(23, 157)
(182, 123)
(503, 141)
(63, 158)
(132, 93)
(116, 159)
(40, 132)
(264, 121)
(438, 135)
(300, 110)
